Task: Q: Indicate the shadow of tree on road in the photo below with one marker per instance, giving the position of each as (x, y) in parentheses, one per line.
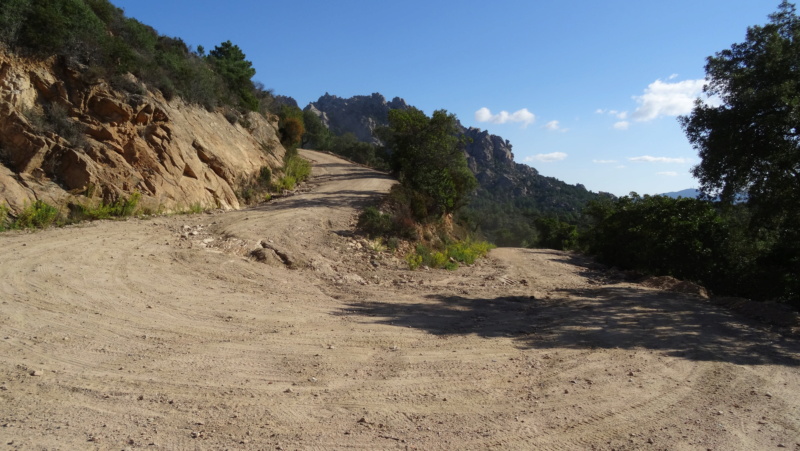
(604, 317)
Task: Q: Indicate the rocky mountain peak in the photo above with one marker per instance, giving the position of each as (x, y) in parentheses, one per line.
(359, 115)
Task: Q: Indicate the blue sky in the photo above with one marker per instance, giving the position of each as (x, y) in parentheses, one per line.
(586, 91)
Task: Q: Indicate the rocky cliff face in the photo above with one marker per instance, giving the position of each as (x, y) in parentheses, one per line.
(65, 137)
(359, 115)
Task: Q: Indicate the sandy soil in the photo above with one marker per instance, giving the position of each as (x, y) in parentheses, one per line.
(163, 334)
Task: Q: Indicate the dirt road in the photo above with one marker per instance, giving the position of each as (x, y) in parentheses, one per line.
(163, 334)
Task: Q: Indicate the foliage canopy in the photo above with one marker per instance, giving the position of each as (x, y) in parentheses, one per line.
(427, 157)
(750, 143)
(97, 36)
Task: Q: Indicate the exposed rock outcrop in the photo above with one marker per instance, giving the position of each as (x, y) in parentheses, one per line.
(65, 137)
(359, 115)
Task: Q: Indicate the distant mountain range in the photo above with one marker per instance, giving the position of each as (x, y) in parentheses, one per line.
(690, 192)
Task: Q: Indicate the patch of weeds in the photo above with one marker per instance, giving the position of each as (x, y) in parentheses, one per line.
(195, 208)
(393, 243)
(377, 245)
(38, 215)
(297, 168)
(5, 219)
(118, 208)
(414, 261)
(450, 256)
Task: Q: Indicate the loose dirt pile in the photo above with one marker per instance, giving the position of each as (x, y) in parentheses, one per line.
(165, 333)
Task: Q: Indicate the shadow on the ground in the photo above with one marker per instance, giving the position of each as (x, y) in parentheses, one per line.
(335, 199)
(603, 317)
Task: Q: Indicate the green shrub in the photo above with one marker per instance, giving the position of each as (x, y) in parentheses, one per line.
(265, 176)
(414, 261)
(375, 223)
(468, 251)
(38, 215)
(448, 258)
(118, 208)
(5, 220)
(295, 170)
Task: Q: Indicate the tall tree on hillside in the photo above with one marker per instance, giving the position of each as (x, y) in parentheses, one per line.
(229, 61)
(750, 143)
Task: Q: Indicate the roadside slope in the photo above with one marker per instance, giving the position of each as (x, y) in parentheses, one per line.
(162, 334)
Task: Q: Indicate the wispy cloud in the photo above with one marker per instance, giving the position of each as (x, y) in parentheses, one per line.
(662, 98)
(522, 116)
(604, 161)
(547, 157)
(668, 173)
(622, 125)
(651, 159)
(617, 114)
(555, 126)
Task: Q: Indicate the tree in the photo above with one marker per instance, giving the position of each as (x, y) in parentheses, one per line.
(317, 135)
(750, 143)
(229, 61)
(427, 157)
(291, 128)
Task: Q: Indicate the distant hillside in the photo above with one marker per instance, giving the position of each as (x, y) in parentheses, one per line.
(690, 193)
(510, 196)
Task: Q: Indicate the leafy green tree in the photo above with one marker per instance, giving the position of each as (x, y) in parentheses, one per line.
(555, 234)
(427, 157)
(317, 135)
(750, 143)
(229, 61)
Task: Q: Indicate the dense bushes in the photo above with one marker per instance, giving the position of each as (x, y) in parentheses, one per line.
(97, 35)
(657, 234)
(698, 240)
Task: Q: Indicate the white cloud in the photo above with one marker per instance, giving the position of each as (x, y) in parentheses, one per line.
(554, 126)
(667, 99)
(604, 161)
(668, 173)
(651, 159)
(615, 113)
(622, 125)
(547, 157)
(523, 116)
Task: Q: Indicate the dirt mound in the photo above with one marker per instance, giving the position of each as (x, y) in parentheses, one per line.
(669, 283)
(771, 312)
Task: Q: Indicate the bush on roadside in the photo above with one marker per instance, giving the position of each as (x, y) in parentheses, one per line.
(38, 215)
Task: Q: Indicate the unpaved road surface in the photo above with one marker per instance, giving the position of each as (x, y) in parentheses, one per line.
(163, 334)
